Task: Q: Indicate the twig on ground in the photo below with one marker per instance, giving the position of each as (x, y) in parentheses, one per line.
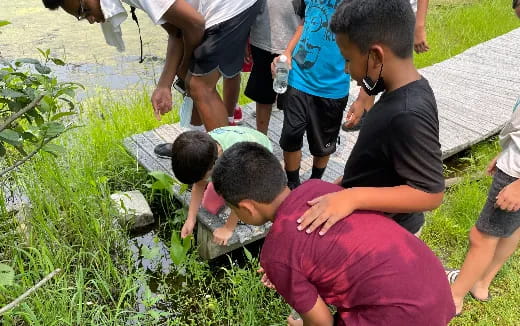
(18, 300)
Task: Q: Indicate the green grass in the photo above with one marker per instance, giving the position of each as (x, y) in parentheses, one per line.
(452, 26)
(72, 228)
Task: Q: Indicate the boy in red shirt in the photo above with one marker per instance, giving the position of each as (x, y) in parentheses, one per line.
(370, 268)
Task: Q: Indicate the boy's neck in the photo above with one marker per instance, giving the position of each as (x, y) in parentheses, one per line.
(277, 202)
(399, 72)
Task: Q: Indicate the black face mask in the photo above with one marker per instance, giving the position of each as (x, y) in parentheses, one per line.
(373, 88)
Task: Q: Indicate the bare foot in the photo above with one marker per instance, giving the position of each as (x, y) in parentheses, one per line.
(480, 292)
(458, 305)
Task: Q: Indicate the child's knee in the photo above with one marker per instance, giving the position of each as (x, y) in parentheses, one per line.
(478, 239)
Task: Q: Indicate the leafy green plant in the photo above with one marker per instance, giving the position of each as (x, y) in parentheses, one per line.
(34, 107)
(163, 182)
(179, 248)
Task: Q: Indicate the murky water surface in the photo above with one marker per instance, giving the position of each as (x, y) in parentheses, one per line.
(89, 59)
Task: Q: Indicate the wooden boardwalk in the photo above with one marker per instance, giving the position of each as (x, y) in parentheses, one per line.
(475, 93)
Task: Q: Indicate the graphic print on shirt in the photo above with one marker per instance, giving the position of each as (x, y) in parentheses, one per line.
(315, 28)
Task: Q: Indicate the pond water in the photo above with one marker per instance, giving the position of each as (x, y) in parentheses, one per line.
(89, 59)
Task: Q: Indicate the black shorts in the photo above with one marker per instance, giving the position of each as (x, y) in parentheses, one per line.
(223, 46)
(319, 117)
(260, 84)
(493, 220)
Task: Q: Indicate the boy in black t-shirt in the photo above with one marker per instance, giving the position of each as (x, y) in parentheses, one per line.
(395, 166)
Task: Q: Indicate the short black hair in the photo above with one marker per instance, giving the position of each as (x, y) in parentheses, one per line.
(52, 4)
(193, 154)
(248, 170)
(366, 22)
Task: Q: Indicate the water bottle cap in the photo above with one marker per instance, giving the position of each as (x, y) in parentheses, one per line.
(283, 58)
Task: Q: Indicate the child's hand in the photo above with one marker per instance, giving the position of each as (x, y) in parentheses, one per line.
(508, 198)
(492, 166)
(355, 113)
(222, 235)
(294, 322)
(187, 228)
(276, 59)
(265, 280)
(326, 209)
(419, 43)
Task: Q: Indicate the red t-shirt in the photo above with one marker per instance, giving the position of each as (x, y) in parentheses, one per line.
(370, 268)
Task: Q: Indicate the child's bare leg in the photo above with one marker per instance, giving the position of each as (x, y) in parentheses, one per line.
(222, 234)
(505, 248)
(263, 115)
(231, 92)
(292, 167)
(319, 164)
(479, 257)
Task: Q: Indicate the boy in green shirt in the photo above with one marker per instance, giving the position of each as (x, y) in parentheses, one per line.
(193, 155)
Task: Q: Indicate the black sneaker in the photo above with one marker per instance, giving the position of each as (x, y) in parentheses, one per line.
(163, 150)
(354, 127)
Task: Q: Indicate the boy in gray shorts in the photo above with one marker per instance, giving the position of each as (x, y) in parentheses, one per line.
(495, 236)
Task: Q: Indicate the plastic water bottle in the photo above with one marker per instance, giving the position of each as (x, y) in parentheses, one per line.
(281, 75)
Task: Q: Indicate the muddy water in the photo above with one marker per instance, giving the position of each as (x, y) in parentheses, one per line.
(90, 60)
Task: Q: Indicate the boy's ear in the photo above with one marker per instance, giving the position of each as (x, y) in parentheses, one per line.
(248, 205)
(377, 55)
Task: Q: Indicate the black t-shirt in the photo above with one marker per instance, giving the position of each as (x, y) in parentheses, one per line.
(398, 144)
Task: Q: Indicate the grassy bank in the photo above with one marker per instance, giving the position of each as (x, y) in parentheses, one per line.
(71, 222)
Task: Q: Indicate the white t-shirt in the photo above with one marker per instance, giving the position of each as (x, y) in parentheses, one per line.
(509, 160)
(213, 11)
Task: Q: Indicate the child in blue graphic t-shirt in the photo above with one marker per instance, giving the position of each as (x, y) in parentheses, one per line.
(317, 93)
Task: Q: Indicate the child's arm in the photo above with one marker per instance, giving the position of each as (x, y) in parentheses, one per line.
(222, 234)
(419, 42)
(197, 192)
(331, 208)
(290, 48)
(162, 95)
(319, 315)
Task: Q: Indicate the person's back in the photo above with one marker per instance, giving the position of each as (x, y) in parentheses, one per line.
(370, 268)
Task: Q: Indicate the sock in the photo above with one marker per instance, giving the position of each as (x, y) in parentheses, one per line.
(293, 178)
(231, 119)
(197, 128)
(317, 173)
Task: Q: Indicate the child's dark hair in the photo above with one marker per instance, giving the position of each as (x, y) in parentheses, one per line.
(248, 171)
(193, 154)
(366, 22)
(52, 4)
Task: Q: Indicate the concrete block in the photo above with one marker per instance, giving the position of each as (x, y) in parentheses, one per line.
(133, 209)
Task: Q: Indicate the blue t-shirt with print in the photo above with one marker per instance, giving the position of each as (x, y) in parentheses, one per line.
(317, 64)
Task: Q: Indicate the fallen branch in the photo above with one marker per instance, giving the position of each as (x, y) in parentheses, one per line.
(18, 300)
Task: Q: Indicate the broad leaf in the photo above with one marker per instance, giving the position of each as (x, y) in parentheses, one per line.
(179, 248)
(61, 115)
(11, 93)
(28, 60)
(44, 70)
(6, 275)
(54, 149)
(53, 128)
(10, 137)
(4, 22)
(58, 62)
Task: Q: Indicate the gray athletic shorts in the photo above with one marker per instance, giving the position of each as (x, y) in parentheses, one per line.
(493, 220)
